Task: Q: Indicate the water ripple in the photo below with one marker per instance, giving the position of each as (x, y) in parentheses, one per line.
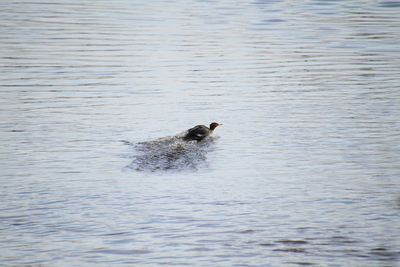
(170, 154)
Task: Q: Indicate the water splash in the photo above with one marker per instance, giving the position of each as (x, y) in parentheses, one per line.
(170, 154)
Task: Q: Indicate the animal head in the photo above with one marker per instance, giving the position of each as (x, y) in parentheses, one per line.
(214, 125)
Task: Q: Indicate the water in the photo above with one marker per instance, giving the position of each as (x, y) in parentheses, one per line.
(174, 153)
(304, 171)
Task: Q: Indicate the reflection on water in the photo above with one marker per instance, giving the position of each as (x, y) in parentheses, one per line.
(305, 170)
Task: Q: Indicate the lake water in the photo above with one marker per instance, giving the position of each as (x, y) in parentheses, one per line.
(305, 169)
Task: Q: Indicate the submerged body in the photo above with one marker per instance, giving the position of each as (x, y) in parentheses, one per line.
(200, 132)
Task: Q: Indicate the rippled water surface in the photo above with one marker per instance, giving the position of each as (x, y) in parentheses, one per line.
(305, 169)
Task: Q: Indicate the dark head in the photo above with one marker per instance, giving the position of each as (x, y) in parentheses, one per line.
(214, 125)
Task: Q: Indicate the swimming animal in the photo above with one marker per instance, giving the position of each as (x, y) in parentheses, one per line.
(200, 132)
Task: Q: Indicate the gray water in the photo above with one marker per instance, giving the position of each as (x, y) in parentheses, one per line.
(305, 169)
